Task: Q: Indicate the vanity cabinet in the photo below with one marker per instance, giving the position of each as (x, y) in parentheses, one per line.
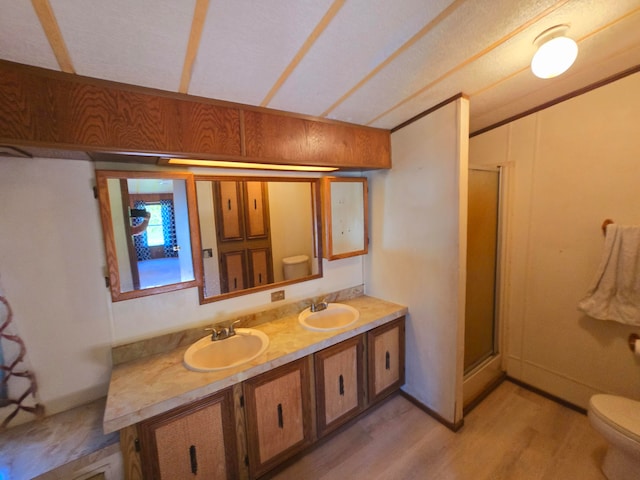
(278, 415)
(339, 375)
(385, 362)
(194, 441)
(345, 217)
(251, 428)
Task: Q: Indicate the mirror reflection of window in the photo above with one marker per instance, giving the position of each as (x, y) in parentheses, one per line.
(155, 234)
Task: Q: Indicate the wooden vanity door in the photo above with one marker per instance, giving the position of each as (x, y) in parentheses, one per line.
(191, 442)
(278, 405)
(339, 383)
(385, 359)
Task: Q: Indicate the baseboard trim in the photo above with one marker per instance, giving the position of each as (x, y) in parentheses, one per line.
(450, 425)
(547, 395)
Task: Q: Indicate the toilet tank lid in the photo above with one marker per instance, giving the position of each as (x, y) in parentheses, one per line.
(295, 259)
(624, 412)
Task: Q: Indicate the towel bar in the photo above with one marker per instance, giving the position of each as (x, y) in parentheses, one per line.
(607, 221)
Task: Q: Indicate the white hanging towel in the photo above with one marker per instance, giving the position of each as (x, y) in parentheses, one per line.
(615, 294)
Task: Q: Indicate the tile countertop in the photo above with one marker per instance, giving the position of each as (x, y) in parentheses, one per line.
(140, 389)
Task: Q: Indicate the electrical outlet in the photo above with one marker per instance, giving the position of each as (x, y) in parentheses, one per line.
(276, 296)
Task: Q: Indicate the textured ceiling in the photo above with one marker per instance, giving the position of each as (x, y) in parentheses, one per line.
(370, 62)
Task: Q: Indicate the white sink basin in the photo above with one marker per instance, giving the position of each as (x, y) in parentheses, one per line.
(334, 317)
(207, 356)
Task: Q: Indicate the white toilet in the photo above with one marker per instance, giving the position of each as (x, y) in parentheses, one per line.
(296, 267)
(618, 420)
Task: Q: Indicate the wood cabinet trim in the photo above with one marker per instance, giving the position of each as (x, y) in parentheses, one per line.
(327, 239)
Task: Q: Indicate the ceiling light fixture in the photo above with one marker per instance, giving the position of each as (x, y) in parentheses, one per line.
(256, 166)
(555, 54)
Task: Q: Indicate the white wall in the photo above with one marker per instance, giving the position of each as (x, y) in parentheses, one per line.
(52, 273)
(571, 166)
(51, 259)
(417, 252)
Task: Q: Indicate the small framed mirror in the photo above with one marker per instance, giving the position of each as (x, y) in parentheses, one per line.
(148, 221)
(346, 217)
(256, 233)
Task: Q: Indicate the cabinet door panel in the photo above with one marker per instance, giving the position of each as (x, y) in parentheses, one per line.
(260, 259)
(233, 268)
(386, 359)
(186, 449)
(190, 442)
(278, 415)
(229, 211)
(339, 378)
(256, 209)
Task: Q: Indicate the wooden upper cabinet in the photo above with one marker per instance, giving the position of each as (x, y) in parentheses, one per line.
(56, 110)
(293, 139)
(43, 108)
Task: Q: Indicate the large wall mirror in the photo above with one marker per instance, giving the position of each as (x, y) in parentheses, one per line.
(256, 233)
(150, 231)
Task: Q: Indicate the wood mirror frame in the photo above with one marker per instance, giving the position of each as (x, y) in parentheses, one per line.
(250, 226)
(123, 259)
(345, 211)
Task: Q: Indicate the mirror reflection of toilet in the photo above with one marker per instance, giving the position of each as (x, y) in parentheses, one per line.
(296, 267)
(617, 419)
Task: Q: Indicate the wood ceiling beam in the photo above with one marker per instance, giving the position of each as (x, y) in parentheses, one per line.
(54, 35)
(328, 17)
(197, 25)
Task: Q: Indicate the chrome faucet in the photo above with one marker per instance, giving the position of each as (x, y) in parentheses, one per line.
(319, 306)
(222, 333)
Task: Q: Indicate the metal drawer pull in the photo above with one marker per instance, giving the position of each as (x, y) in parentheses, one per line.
(194, 459)
(280, 420)
(229, 204)
(387, 361)
(341, 383)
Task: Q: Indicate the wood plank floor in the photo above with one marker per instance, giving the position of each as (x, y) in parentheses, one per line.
(513, 434)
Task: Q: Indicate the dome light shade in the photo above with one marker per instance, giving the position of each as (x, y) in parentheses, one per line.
(555, 54)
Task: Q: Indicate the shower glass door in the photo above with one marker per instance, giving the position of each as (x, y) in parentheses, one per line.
(482, 267)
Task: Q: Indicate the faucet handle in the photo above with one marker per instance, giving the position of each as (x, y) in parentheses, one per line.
(214, 333)
(232, 330)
